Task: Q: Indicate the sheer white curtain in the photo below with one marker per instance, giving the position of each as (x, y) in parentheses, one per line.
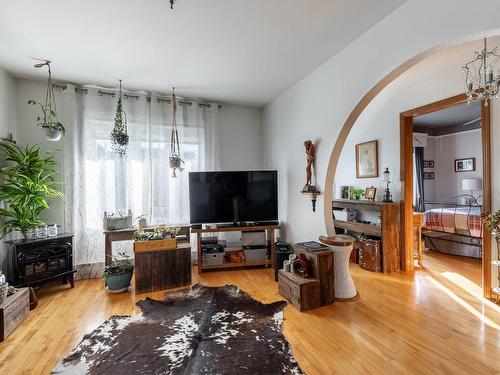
(98, 180)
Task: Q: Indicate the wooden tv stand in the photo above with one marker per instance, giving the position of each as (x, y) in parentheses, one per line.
(270, 230)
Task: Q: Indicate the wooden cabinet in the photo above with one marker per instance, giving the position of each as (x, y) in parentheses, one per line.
(163, 269)
(388, 230)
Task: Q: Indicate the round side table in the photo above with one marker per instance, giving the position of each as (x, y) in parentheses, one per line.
(341, 245)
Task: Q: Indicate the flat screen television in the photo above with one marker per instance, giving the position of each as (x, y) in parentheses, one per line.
(233, 197)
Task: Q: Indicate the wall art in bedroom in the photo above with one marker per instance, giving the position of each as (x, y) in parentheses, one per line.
(465, 165)
(367, 159)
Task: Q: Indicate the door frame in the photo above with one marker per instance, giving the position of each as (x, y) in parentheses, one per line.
(406, 167)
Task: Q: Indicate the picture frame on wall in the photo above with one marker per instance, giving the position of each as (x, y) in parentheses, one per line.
(426, 175)
(371, 193)
(367, 159)
(426, 164)
(431, 175)
(465, 165)
(431, 163)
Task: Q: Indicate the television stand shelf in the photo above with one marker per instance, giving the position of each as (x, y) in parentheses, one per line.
(270, 231)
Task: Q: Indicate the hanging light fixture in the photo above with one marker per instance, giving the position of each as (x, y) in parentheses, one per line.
(119, 135)
(480, 81)
(172, 4)
(175, 160)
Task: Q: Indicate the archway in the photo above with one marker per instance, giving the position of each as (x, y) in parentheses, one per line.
(353, 117)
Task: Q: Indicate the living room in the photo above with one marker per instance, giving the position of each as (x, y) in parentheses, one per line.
(161, 117)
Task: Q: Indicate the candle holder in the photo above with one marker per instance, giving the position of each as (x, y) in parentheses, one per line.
(387, 179)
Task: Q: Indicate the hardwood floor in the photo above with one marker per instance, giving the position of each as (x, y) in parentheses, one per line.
(433, 321)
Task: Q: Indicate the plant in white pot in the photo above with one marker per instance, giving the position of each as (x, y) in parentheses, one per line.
(4, 288)
(119, 274)
(54, 129)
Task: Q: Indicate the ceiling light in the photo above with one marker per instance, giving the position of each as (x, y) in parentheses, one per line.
(480, 81)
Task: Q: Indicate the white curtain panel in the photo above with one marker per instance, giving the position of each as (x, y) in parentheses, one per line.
(98, 180)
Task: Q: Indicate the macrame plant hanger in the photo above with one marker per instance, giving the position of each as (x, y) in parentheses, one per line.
(119, 135)
(175, 160)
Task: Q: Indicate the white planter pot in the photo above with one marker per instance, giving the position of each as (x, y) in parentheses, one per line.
(52, 134)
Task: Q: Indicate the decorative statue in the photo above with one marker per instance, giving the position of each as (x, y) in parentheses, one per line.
(311, 155)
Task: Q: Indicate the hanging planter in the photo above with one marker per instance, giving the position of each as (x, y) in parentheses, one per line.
(54, 129)
(175, 161)
(119, 135)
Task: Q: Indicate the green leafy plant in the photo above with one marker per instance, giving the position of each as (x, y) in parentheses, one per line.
(492, 222)
(356, 193)
(119, 265)
(161, 232)
(48, 119)
(27, 183)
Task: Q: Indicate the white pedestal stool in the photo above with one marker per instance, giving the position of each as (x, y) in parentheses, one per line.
(341, 246)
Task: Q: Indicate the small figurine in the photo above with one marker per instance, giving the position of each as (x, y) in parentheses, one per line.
(311, 155)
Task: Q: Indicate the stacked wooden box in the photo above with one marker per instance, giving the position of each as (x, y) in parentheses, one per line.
(315, 291)
(13, 311)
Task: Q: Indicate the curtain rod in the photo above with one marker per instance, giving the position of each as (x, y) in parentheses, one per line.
(136, 97)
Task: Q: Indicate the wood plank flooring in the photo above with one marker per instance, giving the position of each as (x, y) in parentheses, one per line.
(433, 321)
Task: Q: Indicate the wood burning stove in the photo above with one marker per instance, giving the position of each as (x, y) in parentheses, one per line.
(34, 262)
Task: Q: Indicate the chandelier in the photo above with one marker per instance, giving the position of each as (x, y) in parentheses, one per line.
(480, 81)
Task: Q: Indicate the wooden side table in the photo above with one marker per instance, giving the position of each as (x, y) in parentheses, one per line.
(418, 223)
(163, 269)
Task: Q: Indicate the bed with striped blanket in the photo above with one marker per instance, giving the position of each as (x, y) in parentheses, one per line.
(454, 230)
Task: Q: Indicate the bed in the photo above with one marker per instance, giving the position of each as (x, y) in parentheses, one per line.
(454, 228)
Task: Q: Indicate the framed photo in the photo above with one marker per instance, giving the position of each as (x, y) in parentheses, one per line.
(344, 192)
(367, 159)
(371, 193)
(426, 163)
(431, 175)
(431, 163)
(426, 175)
(465, 165)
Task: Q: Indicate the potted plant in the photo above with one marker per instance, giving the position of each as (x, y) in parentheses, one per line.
(142, 221)
(356, 193)
(162, 237)
(119, 274)
(48, 120)
(4, 288)
(27, 183)
(54, 129)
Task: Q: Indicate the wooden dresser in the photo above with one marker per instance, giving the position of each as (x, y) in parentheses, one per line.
(388, 230)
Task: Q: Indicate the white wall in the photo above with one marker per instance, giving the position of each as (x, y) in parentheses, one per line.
(448, 183)
(240, 142)
(7, 122)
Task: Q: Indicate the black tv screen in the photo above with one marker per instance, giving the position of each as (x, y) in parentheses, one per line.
(228, 197)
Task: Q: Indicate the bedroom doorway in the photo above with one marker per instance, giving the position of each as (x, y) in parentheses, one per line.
(445, 174)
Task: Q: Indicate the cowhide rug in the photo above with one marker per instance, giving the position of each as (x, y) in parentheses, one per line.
(204, 330)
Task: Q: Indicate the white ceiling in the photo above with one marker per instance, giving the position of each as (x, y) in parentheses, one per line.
(245, 52)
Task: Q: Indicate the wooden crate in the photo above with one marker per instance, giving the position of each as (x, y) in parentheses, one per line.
(163, 269)
(301, 292)
(144, 246)
(13, 311)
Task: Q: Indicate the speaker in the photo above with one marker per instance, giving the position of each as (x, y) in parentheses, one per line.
(283, 251)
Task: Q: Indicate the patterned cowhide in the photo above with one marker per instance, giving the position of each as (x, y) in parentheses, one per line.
(204, 330)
